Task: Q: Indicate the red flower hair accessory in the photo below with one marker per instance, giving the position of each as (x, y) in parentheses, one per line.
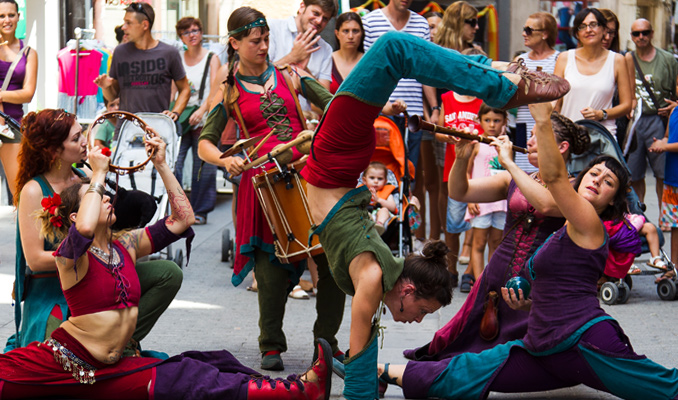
(106, 151)
(56, 221)
(51, 203)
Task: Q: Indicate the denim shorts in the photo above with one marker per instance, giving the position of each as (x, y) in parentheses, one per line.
(495, 220)
(456, 211)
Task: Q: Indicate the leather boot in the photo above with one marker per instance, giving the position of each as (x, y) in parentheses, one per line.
(536, 87)
(295, 387)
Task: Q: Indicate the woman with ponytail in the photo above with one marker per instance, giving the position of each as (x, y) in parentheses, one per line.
(52, 142)
(262, 100)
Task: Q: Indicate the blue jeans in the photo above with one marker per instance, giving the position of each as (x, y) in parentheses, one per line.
(204, 189)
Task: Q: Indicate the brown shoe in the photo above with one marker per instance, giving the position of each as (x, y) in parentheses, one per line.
(537, 87)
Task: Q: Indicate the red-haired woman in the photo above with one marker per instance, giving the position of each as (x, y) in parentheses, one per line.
(52, 141)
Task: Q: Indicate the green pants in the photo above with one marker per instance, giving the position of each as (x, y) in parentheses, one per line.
(160, 281)
(273, 287)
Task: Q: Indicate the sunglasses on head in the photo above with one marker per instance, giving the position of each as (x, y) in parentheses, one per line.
(139, 8)
(473, 22)
(528, 30)
(646, 32)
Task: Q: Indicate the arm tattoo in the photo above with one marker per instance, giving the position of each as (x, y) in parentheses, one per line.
(132, 239)
(181, 207)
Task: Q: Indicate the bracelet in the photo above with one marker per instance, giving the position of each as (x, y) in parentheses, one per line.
(435, 108)
(96, 187)
(175, 113)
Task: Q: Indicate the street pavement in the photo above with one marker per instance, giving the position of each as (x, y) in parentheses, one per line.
(209, 313)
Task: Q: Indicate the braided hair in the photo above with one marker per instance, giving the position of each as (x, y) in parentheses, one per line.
(567, 131)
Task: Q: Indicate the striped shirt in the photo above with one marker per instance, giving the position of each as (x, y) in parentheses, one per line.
(524, 117)
(376, 24)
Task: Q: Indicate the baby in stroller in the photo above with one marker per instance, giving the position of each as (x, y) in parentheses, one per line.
(383, 203)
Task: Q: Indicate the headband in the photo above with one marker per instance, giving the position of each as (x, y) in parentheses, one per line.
(259, 22)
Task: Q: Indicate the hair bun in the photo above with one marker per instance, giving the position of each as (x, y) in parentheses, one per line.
(582, 139)
(435, 249)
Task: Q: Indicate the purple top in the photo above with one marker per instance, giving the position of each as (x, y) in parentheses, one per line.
(566, 276)
(16, 82)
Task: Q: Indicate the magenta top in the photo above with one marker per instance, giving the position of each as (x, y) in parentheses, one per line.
(16, 82)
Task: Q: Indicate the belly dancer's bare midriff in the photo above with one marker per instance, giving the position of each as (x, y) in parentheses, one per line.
(321, 200)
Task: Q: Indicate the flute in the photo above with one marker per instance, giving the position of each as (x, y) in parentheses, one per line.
(416, 123)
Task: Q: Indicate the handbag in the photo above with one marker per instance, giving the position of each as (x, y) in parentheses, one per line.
(7, 130)
(189, 110)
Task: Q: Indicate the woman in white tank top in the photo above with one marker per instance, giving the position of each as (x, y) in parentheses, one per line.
(594, 73)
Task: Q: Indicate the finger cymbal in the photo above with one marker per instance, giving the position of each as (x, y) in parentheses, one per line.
(239, 146)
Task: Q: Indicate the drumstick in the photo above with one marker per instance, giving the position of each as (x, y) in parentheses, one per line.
(261, 143)
(275, 152)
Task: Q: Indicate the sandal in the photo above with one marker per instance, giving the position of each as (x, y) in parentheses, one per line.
(299, 293)
(634, 270)
(200, 219)
(385, 380)
(666, 275)
(658, 263)
(6, 132)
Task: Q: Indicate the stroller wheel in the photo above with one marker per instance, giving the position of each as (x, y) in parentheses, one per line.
(226, 245)
(179, 258)
(609, 293)
(629, 281)
(666, 289)
(624, 293)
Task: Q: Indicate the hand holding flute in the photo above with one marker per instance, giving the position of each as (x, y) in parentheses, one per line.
(416, 123)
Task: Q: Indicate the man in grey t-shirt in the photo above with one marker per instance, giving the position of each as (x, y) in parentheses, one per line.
(143, 69)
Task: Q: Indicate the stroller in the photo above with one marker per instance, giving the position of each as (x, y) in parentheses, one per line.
(130, 150)
(392, 152)
(617, 290)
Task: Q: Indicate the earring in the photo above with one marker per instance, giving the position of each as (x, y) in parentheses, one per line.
(543, 38)
(401, 305)
(58, 163)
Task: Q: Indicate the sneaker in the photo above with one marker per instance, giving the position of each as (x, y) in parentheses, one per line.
(271, 361)
(466, 283)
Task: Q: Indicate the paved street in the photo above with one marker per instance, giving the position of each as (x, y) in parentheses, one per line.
(210, 313)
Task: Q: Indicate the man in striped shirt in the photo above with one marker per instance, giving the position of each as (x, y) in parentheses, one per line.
(397, 16)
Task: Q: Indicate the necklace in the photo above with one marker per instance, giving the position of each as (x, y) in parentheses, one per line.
(111, 257)
(257, 79)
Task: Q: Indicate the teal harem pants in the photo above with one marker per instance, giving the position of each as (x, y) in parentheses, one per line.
(597, 355)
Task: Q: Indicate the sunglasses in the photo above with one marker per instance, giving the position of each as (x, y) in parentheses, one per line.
(139, 8)
(646, 32)
(528, 30)
(62, 114)
(473, 22)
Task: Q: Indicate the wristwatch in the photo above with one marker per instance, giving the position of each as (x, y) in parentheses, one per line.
(435, 108)
(604, 115)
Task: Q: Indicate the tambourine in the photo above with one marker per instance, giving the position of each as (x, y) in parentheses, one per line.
(148, 133)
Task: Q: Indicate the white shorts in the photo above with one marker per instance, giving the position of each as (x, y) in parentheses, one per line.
(495, 220)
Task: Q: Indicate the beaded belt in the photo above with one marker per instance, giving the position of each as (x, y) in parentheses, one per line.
(82, 371)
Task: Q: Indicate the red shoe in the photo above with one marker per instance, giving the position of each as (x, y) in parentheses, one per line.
(295, 387)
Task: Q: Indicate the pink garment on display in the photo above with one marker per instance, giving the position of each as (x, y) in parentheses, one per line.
(88, 70)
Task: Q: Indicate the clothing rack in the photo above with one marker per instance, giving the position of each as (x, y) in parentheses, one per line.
(79, 35)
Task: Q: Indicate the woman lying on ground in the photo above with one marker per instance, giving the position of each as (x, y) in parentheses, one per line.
(83, 358)
(570, 340)
(361, 263)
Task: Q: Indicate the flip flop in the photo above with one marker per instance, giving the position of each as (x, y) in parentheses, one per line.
(666, 275)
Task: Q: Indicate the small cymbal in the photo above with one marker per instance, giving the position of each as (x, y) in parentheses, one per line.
(239, 146)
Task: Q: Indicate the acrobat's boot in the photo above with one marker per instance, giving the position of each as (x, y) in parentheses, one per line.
(535, 86)
(361, 379)
(315, 384)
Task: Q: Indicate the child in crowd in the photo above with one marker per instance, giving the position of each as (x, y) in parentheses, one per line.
(669, 211)
(460, 113)
(648, 230)
(104, 133)
(375, 178)
(487, 219)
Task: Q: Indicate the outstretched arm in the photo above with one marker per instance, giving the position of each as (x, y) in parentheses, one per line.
(584, 226)
(536, 194)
